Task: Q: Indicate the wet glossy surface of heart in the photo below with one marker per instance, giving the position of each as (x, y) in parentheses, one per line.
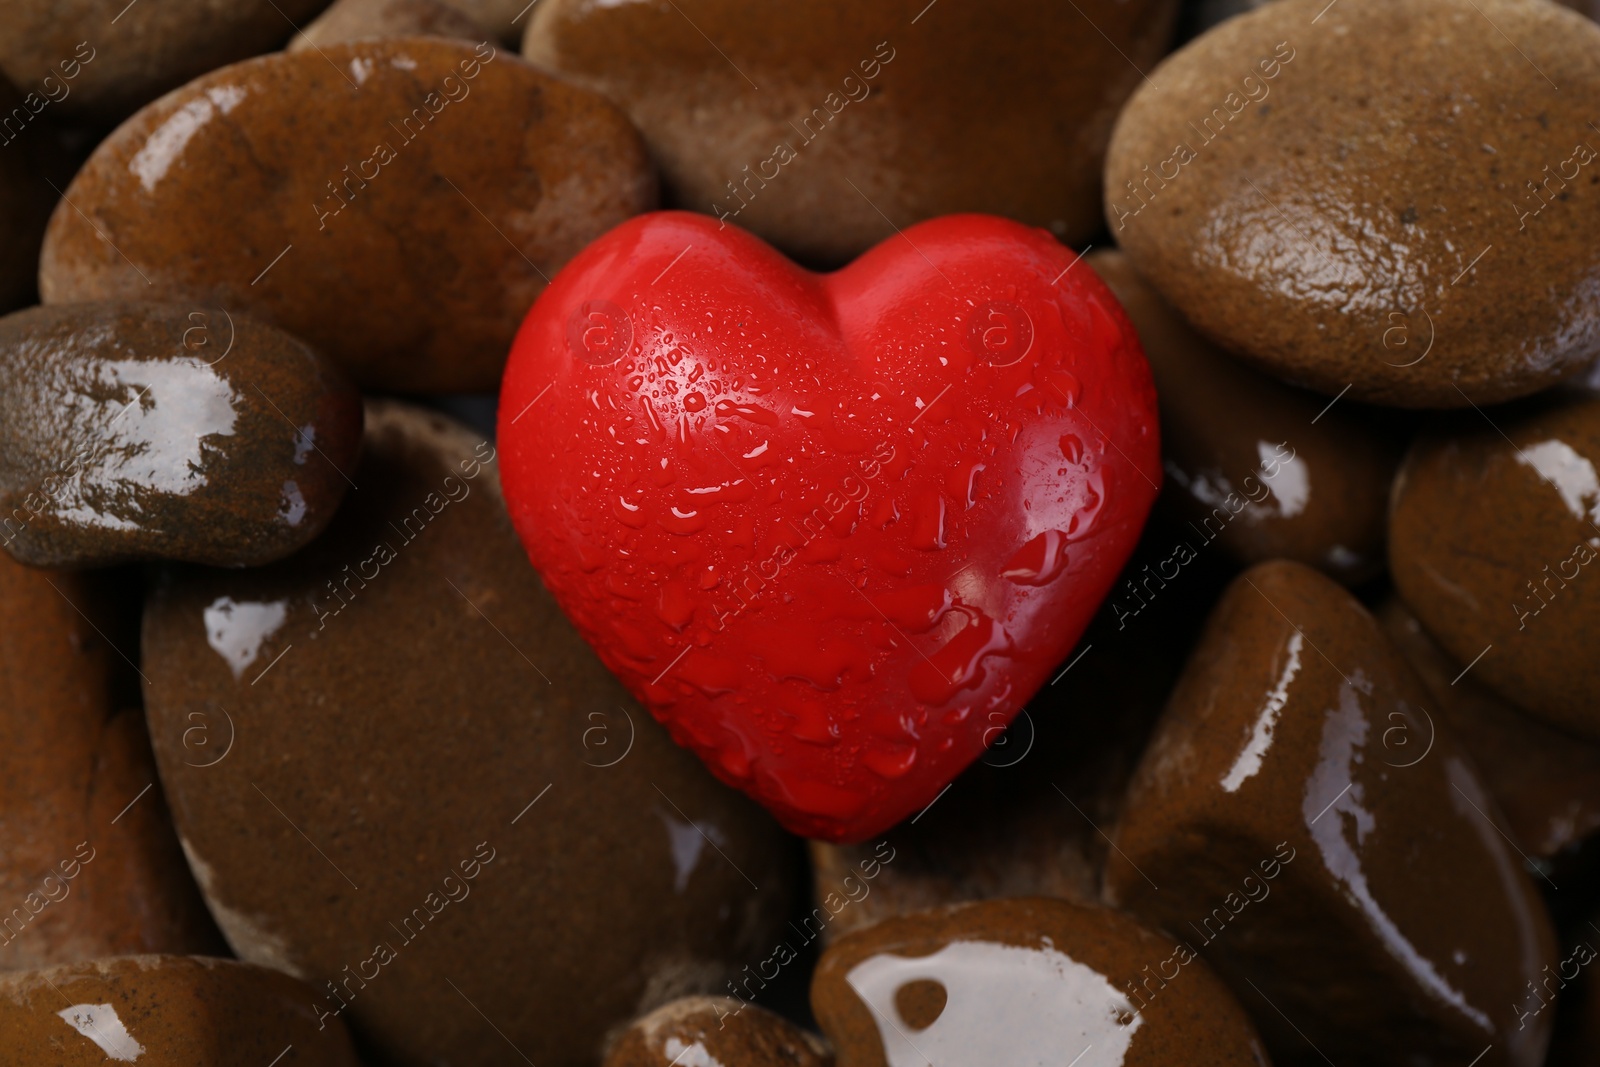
(833, 529)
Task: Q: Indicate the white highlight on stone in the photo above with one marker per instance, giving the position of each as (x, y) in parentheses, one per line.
(99, 1023)
(1248, 762)
(1022, 1007)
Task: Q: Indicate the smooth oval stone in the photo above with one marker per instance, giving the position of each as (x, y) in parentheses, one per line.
(1493, 543)
(716, 1030)
(1546, 781)
(101, 59)
(1265, 470)
(1359, 900)
(354, 20)
(862, 123)
(1381, 196)
(1023, 981)
(506, 19)
(90, 866)
(164, 1011)
(415, 718)
(146, 431)
(398, 204)
(1025, 818)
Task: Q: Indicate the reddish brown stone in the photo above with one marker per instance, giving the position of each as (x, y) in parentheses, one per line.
(822, 127)
(90, 865)
(1493, 543)
(1379, 195)
(1266, 470)
(397, 204)
(439, 802)
(716, 1030)
(164, 1011)
(1362, 902)
(1021, 982)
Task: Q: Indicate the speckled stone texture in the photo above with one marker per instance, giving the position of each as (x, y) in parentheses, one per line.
(292, 186)
(1389, 195)
(164, 1011)
(147, 431)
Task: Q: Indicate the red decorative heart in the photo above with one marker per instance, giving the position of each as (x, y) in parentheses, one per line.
(833, 530)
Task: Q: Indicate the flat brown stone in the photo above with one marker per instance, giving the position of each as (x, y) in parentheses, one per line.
(1322, 842)
(1395, 196)
(103, 59)
(90, 865)
(1024, 981)
(164, 1011)
(1493, 543)
(397, 204)
(822, 127)
(438, 803)
(147, 431)
(1265, 470)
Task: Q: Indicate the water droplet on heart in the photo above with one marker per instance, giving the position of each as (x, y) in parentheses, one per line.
(1072, 447)
(694, 401)
(927, 514)
(1040, 561)
(890, 761)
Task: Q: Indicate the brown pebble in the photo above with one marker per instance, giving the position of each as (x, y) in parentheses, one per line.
(102, 59)
(149, 431)
(292, 186)
(868, 117)
(25, 198)
(1023, 981)
(506, 19)
(90, 866)
(414, 717)
(1361, 902)
(164, 1011)
(1493, 543)
(1351, 196)
(716, 1030)
(354, 20)
(1546, 781)
(1265, 470)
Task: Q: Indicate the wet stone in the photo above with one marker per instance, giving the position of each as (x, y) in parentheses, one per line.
(1028, 980)
(164, 1011)
(1380, 196)
(354, 20)
(289, 186)
(1493, 544)
(136, 431)
(435, 793)
(862, 122)
(1266, 470)
(90, 866)
(102, 59)
(1281, 825)
(716, 1030)
(1546, 781)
